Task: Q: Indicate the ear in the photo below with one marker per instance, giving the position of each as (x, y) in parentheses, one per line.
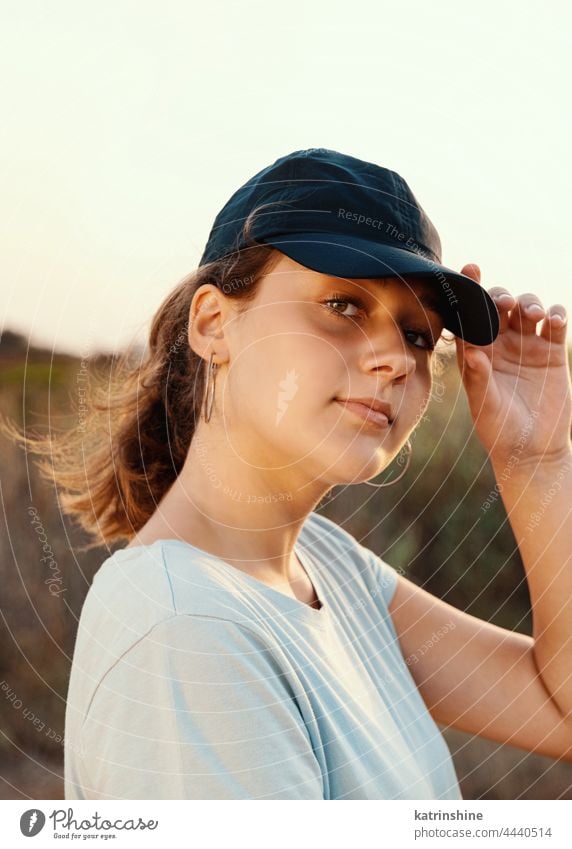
(206, 322)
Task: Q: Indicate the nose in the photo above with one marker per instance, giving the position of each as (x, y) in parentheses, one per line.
(388, 352)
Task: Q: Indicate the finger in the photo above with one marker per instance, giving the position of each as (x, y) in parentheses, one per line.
(467, 357)
(478, 380)
(472, 270)
(526, 314)
(555, 324)
(504, 302)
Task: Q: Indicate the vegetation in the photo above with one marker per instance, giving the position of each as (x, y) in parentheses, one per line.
(443, 524)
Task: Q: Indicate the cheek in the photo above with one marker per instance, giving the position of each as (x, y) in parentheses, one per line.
(283, 378)
(416, 398)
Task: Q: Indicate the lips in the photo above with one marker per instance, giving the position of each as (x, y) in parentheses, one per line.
(366, 413)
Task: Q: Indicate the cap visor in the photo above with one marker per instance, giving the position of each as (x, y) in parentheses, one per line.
(468, 310)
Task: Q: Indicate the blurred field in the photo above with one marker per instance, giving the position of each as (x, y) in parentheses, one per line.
(430, 524)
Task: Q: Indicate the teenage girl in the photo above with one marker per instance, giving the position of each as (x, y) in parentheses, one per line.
(242, 645)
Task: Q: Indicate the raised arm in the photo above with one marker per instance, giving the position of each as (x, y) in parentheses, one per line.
(477, 677)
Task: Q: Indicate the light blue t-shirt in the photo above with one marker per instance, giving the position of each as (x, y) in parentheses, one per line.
(194, 680)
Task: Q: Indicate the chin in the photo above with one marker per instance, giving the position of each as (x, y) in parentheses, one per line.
(350, 465)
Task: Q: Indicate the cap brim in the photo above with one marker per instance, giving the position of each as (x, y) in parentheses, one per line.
(467, 308)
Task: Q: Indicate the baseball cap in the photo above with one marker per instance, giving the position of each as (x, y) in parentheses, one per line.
(346, 217)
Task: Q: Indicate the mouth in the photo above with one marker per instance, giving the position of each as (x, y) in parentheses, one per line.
(365, 413)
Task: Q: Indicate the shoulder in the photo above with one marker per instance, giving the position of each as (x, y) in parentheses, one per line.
(137, 589)
(129, 657)
(351, 560)
(138, 592)
(128, 596)
(196, 645)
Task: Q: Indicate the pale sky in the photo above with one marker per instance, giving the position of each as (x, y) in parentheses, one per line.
(127, 124)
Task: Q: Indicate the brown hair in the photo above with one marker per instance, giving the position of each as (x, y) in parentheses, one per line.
(114, 467)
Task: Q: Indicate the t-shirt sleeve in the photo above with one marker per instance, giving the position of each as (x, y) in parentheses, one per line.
(381, 575)
(199, 708)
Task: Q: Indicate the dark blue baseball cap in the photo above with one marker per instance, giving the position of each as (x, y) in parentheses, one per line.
(345, 217)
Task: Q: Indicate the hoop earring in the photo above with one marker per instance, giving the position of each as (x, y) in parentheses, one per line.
(210, 385)
(409, 449)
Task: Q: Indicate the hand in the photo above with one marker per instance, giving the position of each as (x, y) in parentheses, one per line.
(519, 388)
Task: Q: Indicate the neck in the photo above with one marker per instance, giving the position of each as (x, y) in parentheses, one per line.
(235, 509)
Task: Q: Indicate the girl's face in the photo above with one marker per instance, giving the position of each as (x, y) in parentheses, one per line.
(306, 341)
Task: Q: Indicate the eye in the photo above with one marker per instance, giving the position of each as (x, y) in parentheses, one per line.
(423, 334)
(419, 332)
(342, 299)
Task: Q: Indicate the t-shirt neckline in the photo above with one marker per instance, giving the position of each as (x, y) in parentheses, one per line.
(290, 605)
